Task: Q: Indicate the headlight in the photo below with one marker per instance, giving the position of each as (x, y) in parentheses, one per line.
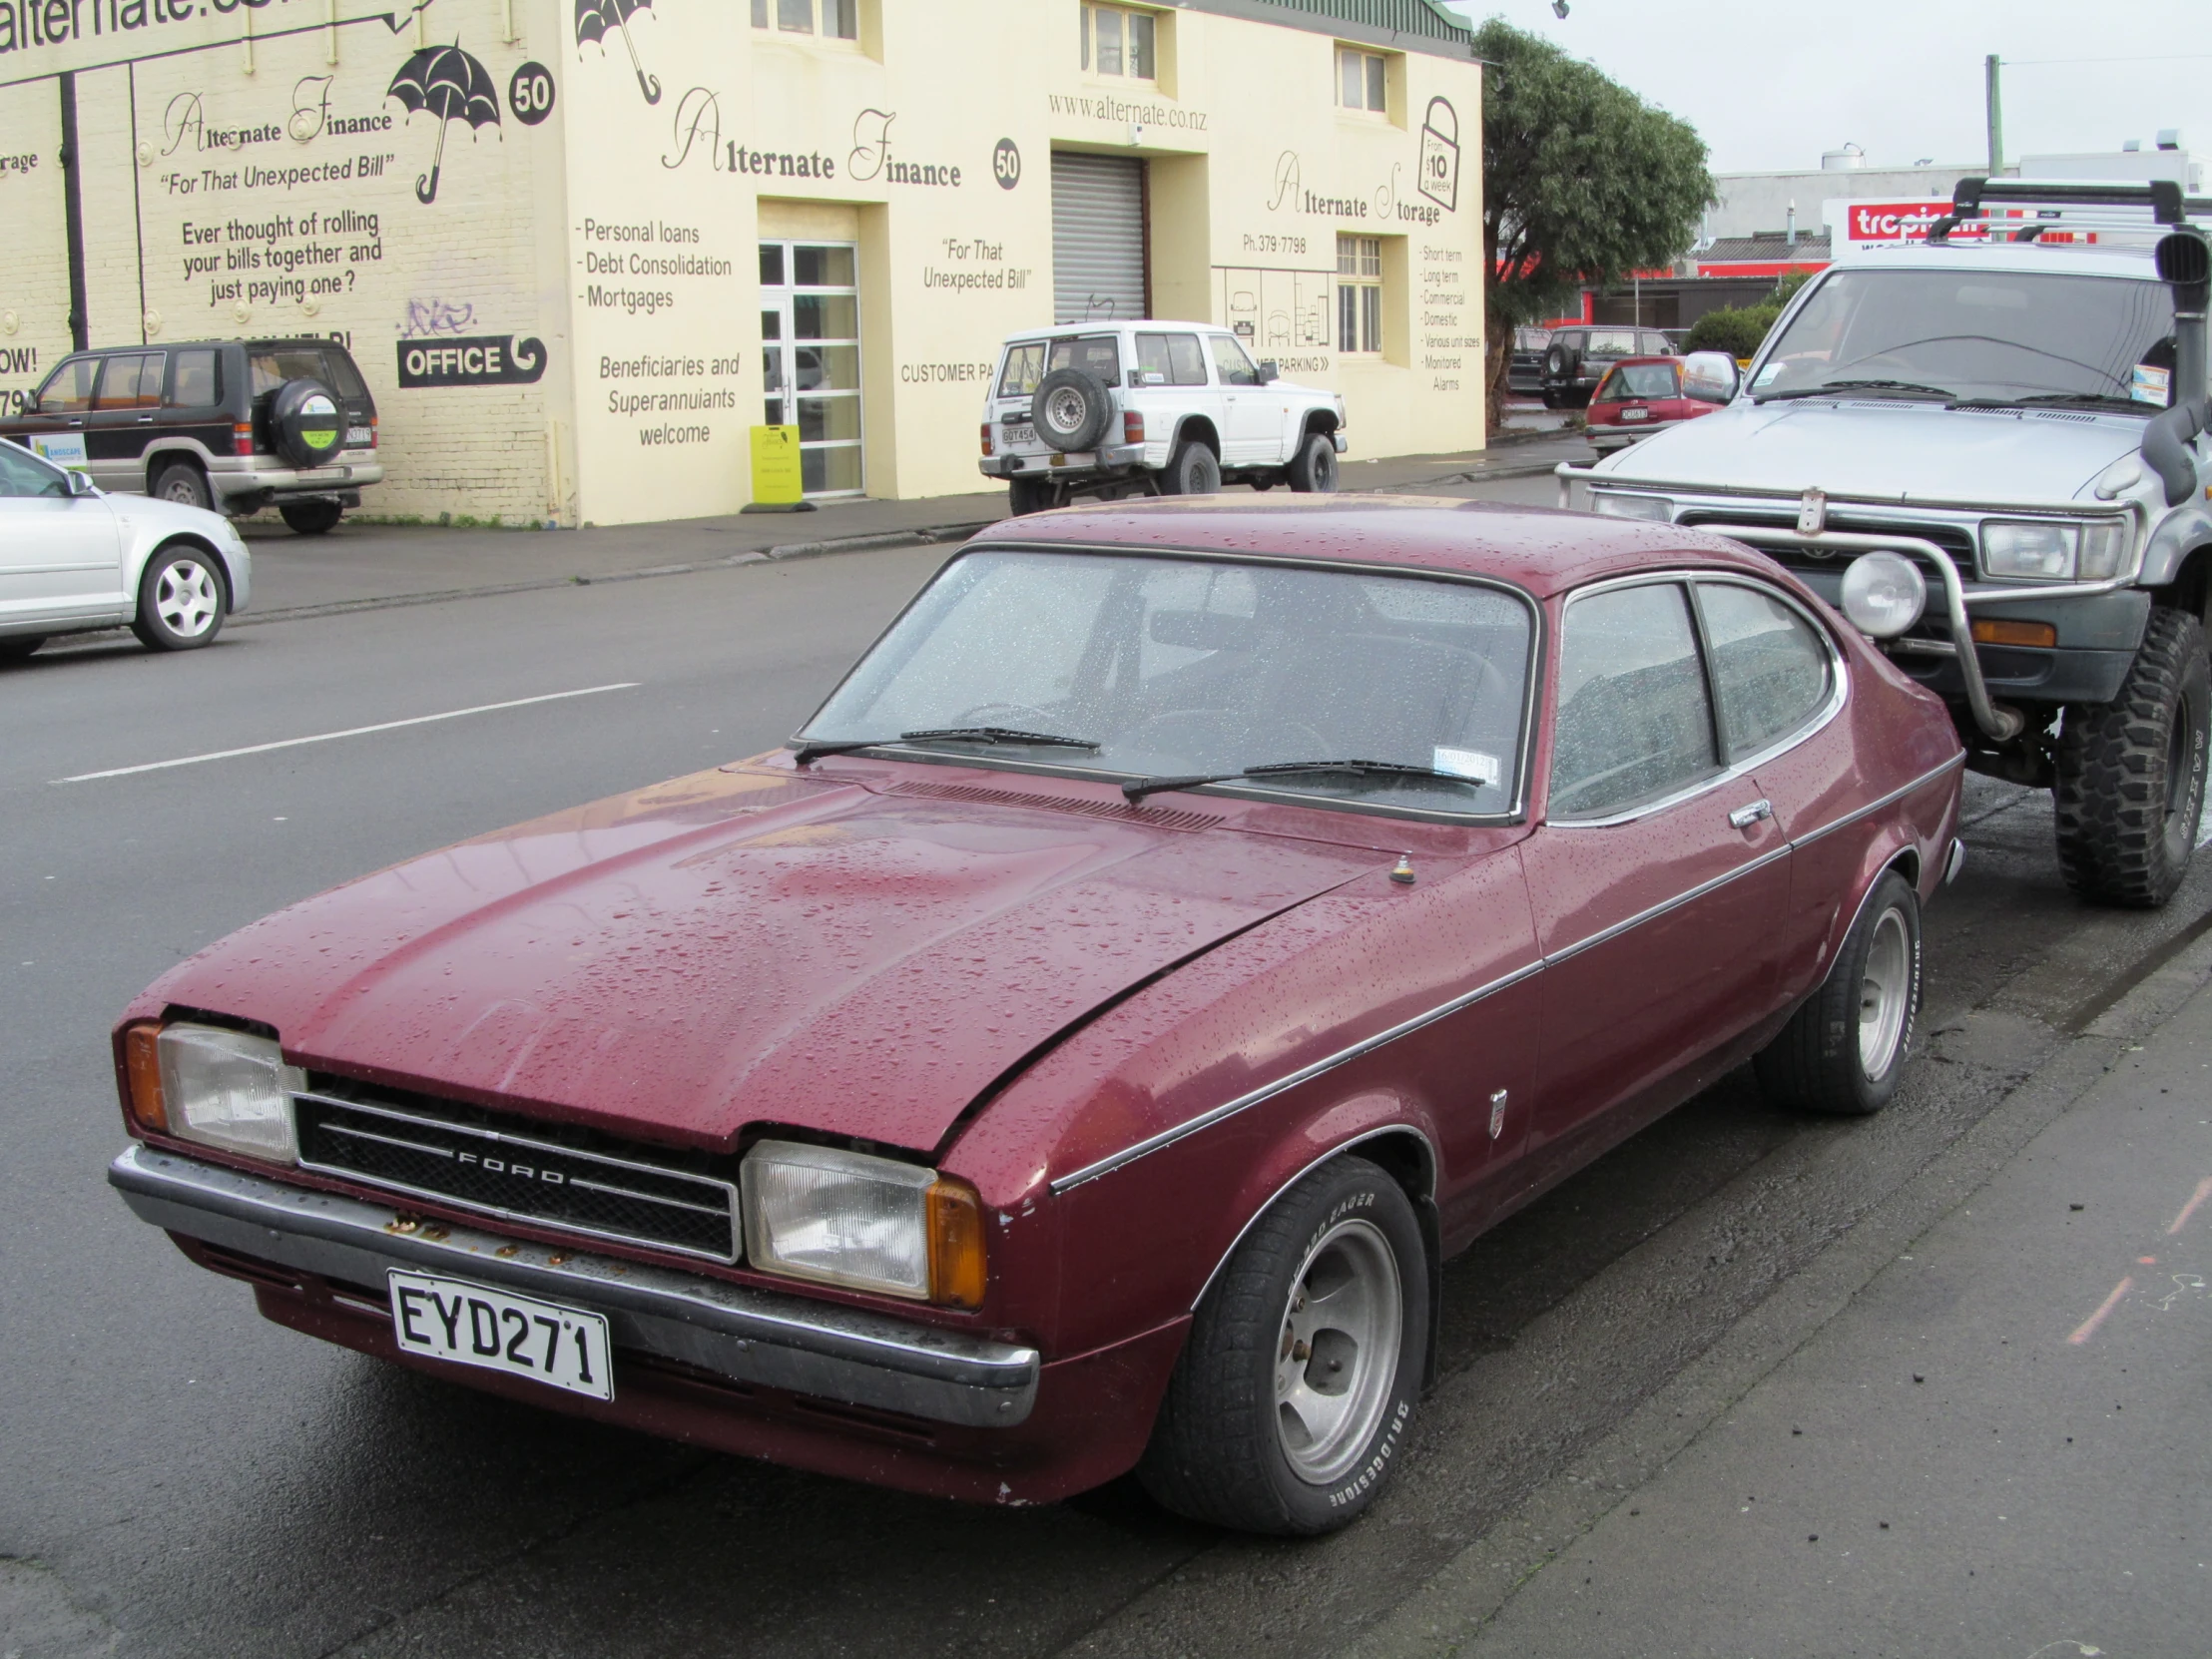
(1884, 594)
(1632, 506)
(873, 1224)
(2054, 552)
(227, 1089)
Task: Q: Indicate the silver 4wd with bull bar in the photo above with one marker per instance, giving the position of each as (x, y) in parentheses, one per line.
(1990, 448)
(1150, 408)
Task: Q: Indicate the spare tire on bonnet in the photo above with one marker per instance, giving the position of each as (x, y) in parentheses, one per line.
(1071, 410)
(306, 424)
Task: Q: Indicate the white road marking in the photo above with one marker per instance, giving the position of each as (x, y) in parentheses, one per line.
(349, 732)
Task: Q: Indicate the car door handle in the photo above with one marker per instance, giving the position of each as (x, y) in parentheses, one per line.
(146, 420)
(1743, 818)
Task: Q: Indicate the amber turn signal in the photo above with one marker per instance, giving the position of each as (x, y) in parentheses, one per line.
(956, 1274)
(142, 1077)
(1990, 631)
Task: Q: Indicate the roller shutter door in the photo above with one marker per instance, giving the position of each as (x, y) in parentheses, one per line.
(1097, 237)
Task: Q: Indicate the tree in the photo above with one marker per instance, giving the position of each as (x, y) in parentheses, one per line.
(1583, 181)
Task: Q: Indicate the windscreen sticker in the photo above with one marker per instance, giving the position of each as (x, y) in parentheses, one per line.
(1466, 763)
(1773, 371)
(2150, 384)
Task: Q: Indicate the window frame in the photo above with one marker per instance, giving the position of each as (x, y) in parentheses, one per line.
(767, 16)
(1372, 64)
(1363, 283)
(1087, 12)
(1731, 766)
(1532, 684)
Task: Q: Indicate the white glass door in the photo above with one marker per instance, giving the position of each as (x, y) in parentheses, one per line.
(811, 357)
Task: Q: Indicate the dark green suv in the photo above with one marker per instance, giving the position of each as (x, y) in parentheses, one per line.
(236, 425)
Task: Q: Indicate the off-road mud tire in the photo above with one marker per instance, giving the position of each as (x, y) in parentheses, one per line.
(1027, 495)
(1815, 1065)
(1072, 409)
(1314, 467)
(1193, 470)
(2127, 822)
(312, 518)
(1217, 1451)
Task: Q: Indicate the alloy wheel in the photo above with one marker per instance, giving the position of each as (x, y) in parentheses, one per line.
(1336, 1359)
(1885, 995)
(188, 599)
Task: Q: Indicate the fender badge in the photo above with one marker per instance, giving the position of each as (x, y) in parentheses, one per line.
(1812, 512)
(1497, 1114)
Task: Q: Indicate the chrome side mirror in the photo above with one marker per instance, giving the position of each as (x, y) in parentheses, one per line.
(1710, 377)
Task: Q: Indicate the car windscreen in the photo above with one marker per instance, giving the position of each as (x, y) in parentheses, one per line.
(1977, 333)
(1637, 380)
(1024, 368)
(1178, 666)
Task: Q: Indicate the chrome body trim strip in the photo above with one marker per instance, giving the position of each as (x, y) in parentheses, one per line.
(1367, 1045)
(748, 1335)
(1268, 1091)
(557, 1223)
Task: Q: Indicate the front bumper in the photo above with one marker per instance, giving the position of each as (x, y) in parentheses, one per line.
(734, 1330)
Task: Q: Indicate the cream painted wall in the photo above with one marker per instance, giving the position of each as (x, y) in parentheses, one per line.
(621, 232)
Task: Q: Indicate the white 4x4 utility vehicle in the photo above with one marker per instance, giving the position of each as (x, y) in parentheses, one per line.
(1150, 408)
(1990, 451)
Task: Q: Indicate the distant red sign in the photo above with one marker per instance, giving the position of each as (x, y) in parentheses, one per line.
(1898, 222)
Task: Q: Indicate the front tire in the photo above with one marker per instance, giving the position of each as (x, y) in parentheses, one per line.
(1027, 495)
(1843, 1050)
(1294, 1394)
(1314, 467)
(1192, 471)
(2130, 786)
(181, 600)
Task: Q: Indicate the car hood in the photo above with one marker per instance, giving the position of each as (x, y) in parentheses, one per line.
(744, 947)
(170, 518)
(1885, 452)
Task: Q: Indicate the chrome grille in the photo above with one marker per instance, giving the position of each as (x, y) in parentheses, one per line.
(1951, 538)
(427, 1151)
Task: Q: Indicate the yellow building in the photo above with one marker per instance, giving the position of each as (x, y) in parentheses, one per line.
(580, 248)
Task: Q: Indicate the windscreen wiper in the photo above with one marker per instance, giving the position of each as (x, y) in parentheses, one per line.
(809, 751)
(1828, 388)
(1138, 787)
(2063, 399)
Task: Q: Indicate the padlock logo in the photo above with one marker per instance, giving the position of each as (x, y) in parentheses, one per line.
(1439, 155)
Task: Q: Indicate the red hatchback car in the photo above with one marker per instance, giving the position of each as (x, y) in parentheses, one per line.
(1639, 396)
(1080, 1047)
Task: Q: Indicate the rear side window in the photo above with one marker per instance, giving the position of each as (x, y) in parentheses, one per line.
(1024, 368)
(1175, 356)
(1772, 671)
(133, 382)
(1634, 721)
(196, 381)
(68, 390)
(1097, 352)
(1613, 342)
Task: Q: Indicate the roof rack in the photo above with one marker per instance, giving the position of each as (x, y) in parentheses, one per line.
(2059, 204)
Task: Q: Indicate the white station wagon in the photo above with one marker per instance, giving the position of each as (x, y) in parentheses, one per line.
(1150, 408)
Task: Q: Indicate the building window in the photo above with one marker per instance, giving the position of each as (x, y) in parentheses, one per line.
(1362, 82)
(840, 19)
(1360, 294)
(1117, 41)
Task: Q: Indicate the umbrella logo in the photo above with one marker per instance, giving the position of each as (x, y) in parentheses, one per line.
(451, 85)
(595, 17)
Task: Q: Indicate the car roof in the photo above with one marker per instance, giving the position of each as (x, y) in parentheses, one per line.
(2106, 258)
(1631, 362)
(1539, 549)
(1088, 330)
(249, 342)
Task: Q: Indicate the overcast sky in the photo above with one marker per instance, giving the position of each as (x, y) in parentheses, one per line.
(1770, 84)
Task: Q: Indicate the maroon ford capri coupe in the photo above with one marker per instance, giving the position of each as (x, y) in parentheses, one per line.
(1079, 1048)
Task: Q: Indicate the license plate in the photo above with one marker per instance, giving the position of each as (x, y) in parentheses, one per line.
(357, 435)
(517, 1335)
(1635, 414)
(1021, 434)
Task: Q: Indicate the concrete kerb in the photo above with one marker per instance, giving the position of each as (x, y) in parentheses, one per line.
(1460, 1598)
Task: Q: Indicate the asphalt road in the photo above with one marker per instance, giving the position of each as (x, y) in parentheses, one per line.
(178, 1478)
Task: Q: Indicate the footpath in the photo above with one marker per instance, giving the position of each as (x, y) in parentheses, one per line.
(1976, 1426)
(375, 566)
